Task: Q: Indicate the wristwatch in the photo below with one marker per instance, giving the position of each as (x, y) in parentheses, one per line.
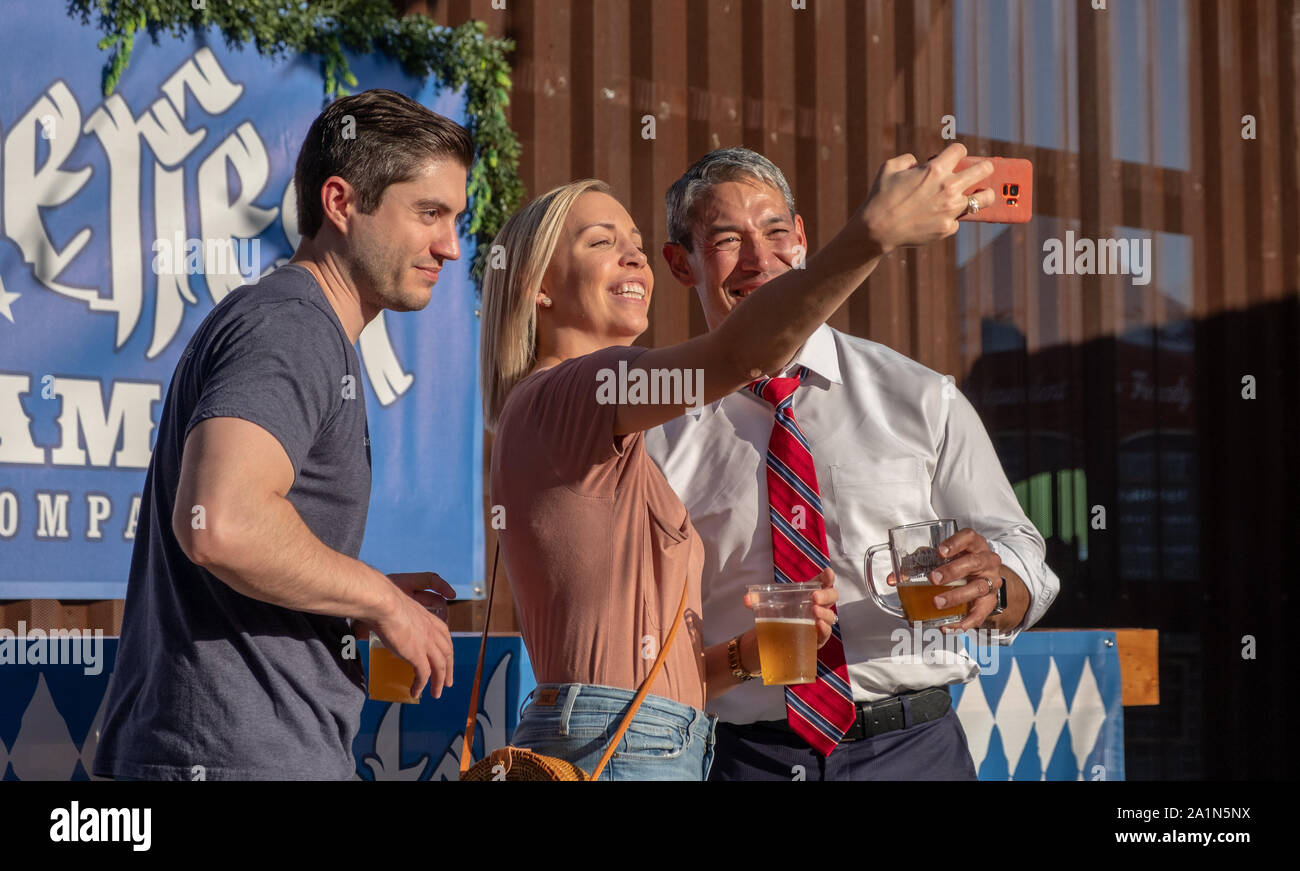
(1002, 595)
(733, 660)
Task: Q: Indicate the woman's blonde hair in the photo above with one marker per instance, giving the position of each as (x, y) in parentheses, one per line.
(508, 347)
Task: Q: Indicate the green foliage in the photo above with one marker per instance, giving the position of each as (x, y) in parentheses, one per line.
(457, 56)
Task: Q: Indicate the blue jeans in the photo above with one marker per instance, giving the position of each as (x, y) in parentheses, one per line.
(666, 740)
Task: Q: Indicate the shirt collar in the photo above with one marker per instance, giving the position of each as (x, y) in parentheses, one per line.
(819, 355)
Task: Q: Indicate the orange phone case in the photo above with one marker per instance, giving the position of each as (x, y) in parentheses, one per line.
(1012, 182)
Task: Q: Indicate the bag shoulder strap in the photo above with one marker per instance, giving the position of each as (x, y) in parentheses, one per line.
(645, 684)
(466, 749)
(471, 720)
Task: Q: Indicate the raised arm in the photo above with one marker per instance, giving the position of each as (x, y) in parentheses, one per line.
(909, 204)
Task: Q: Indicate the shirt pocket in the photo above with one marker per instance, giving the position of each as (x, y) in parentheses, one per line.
(873, 495)
(669, 557)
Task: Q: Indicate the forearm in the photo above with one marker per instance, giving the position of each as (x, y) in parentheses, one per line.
(768, 330)
(717, 669)
(264, 550)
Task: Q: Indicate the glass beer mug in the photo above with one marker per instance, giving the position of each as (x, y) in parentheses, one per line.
(914, 551)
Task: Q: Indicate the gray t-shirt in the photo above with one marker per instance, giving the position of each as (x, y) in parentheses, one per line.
(206, 676)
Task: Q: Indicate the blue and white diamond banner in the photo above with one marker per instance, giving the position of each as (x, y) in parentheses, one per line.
(1051, 710)
(50, 715)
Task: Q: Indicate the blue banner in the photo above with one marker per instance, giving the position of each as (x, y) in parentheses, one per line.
(1049, 707)
(125, 219)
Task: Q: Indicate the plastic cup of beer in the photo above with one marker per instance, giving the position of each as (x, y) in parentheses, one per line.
(787, 632)
(913, 549)
(390, 677)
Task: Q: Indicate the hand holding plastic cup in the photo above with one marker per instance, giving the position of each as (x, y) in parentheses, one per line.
(786, 626)
(390, 677)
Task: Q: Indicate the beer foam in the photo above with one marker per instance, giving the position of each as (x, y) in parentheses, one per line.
(803, 620)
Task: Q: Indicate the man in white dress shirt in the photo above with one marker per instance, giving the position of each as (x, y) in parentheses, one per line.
(892, 442)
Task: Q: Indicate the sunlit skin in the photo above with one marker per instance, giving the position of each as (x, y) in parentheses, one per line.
(743, 236)
(598, 253)
(391, 258)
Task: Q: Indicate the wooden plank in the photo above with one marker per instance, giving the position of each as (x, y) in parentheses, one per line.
(776, 51)
(1139, 664)
(581, 62)
(1098, 210)
(661, 162)
(1287, 26)
(860, 149)
(824, 148)
(719, 53)
(1262, 98)
(879, 314)
(456, 12)
(613, 131)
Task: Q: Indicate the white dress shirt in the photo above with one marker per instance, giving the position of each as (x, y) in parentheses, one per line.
(893, 443)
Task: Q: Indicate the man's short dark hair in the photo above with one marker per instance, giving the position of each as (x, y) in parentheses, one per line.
(718, 166)
(372, 140)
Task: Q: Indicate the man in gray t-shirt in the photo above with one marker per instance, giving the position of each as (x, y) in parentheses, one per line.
(244, 572)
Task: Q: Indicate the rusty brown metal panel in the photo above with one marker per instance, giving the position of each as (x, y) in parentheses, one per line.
(1287, 25)
(860, 149)
(543, 95)
(1261, 97)
(778, 64)
(933, 299)
(1226, 155)
(1099, 206)
(716, 48)
(877, 314)
(660, 55)
(582, 63)
(823, 148)
(610, 46)
(456, 12)
(1191, 218)
(1099, 209)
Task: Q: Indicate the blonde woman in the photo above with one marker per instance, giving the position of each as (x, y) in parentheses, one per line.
(597, 546)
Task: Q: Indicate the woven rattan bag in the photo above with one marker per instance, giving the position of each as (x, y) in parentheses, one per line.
(516, 763)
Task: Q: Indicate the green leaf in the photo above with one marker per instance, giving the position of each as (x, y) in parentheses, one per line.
(463, 55)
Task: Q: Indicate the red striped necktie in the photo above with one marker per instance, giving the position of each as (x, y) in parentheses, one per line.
(820, 712)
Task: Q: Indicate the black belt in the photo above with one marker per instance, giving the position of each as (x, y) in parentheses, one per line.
(886, 715)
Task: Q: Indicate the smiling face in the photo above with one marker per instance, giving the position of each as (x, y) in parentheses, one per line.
(742, 237)
(599, 280)
(396, 252)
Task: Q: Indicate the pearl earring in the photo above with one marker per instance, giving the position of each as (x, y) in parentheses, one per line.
(546, 301)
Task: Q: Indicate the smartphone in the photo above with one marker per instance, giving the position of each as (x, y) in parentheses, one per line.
(1012, 182)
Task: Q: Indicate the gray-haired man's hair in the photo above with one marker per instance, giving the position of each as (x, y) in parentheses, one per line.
(720, 165)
